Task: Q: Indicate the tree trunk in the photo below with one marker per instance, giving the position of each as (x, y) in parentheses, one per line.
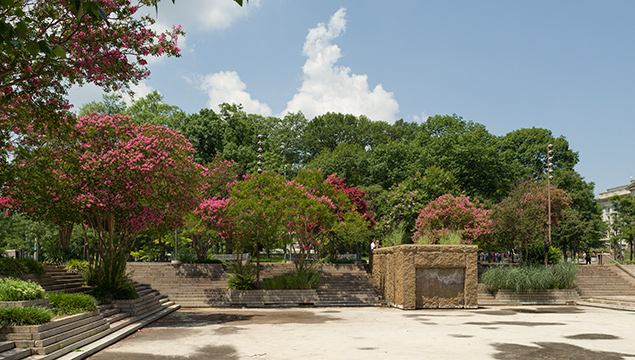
(65, 232)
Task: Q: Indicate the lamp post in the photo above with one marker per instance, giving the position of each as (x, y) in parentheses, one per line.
(259, 154)
(549, 178)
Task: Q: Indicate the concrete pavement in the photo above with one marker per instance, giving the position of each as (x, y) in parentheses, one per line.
(523, 332)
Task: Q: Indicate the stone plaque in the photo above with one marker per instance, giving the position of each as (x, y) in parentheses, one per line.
(435, 286)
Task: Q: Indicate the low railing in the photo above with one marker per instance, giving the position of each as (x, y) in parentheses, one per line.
(619, 266)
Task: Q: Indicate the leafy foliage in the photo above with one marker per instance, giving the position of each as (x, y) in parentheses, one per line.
(300, 279)
(12, 289)
(452, 214)
(22, 266)
(520, 220)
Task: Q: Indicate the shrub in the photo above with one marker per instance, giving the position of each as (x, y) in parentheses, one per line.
(243, 278)
(105, 293)
(301, 279)
(12, 289)
(77, 266)
(536, 255)
(28, 315)
(521, 279)
(18, 267)
(70, 304)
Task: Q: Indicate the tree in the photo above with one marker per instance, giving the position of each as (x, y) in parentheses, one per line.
(349, 161)
(152, 110)
(453, 216)
(400, 207)
(111, 54)
(326, 131)
(467, 150)
(110, 104)
(528, 147)
(520, 220)
(121, 178)
(623, 224)
(205, 131)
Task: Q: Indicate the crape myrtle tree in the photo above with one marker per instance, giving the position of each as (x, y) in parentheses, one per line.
(110, 50)
(120, 178)
(400, 207)
(520, 220)
(207, 225)
(454, 220)
(351, 218)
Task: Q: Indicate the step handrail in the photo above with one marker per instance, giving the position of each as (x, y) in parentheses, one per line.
(619, 266)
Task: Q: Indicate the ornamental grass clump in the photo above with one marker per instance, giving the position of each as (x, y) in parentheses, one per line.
(70, 304)
(12, 289)
(28, 315)
(522, 279)
(302, 279)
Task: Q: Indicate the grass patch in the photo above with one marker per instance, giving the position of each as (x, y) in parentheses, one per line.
(71, 304)
(12, 289)
(29, 315)
(522, 279)
(304, 279)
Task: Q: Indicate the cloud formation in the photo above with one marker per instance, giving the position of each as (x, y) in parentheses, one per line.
(328, 87)
(226, 87)
(202, 15)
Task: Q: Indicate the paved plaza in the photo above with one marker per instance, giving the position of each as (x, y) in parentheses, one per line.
(522, 332)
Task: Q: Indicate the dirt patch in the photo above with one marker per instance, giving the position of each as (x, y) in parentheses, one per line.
(593, 337)
(367, 348)
(514, 323)
(461, 336)
(550, 351)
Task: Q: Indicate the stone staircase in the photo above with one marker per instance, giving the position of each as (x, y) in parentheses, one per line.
(189, 285)
(78, 336)
(596, 281)
(205, 285)
(58, 279)
(345, 285)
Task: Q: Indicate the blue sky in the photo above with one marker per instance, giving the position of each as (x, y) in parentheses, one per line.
(568, 66)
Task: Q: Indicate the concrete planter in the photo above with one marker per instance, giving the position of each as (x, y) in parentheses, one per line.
(37, 302)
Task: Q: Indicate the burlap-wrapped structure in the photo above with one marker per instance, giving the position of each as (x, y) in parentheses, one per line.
(427, 276)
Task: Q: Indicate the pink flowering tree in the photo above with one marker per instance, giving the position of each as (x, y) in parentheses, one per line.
(349, 220)
(208, 224)
(74, 47)
(520, 220)
(456, 217)
(400, 207)
(117, 178)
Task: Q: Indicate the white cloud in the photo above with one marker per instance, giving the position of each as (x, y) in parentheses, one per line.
(226, 87)
(202, 15)
(421, 118)
(328, 87)
(140, 90)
